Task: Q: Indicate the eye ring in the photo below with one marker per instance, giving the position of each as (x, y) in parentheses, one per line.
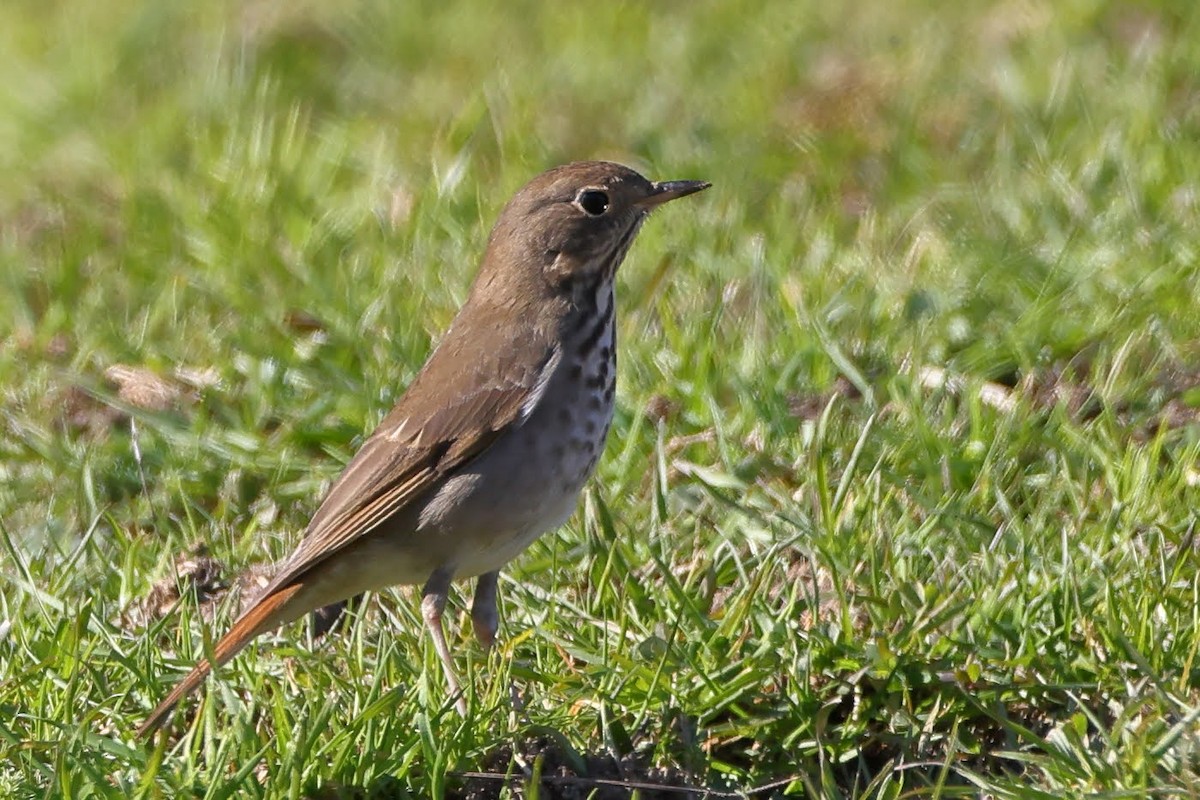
(593, 202)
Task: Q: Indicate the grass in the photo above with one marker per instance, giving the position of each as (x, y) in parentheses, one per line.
(810, 564)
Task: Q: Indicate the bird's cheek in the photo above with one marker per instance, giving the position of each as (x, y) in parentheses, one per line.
(561, 270)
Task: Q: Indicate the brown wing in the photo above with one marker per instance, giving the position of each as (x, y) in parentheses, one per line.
(464, 398)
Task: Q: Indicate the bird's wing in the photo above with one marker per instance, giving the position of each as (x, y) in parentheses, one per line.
(453, 411)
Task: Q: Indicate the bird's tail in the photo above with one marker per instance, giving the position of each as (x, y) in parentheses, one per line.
(267, 613)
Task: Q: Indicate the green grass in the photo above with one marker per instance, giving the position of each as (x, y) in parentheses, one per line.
(801, 567)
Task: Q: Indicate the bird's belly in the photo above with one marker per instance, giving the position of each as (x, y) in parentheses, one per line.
(493, 549)
(482, 518)
(526, 484)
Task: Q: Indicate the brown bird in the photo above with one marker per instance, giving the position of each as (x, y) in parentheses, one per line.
(491, 444)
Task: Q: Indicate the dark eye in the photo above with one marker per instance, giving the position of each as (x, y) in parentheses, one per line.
(592, 201)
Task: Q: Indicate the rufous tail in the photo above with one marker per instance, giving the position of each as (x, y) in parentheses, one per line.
(267, 613)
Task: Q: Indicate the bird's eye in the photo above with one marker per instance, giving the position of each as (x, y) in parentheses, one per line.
(593, 202)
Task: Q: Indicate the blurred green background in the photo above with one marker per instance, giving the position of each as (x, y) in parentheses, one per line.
(901, 496)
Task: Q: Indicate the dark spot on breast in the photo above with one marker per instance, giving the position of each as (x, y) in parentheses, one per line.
(576, 372)
(595, 403)
(598, 328)
(565, 416)
(596, 381)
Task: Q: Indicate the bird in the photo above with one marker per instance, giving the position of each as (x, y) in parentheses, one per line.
(496, 435)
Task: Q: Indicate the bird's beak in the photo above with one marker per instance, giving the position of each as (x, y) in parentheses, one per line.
(669, 190)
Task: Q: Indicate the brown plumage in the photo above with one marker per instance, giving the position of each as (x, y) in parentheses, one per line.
(492, 441)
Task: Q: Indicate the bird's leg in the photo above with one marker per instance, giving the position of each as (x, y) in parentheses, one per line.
(484, 616)
(433, 603)
(486, 619)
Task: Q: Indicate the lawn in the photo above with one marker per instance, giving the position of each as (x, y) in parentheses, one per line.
(901, 496)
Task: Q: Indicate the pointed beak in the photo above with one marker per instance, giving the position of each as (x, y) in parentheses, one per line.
(669, 190)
